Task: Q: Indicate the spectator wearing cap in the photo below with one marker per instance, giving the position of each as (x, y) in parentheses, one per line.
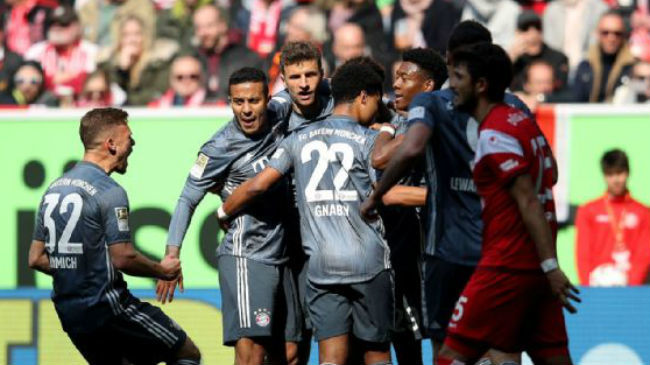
(102, 19)
(66, 58)
(219, 50)
(28, 88)
(186, 85)
(176, 23)
(529, 46)
(569, 27)
(139, 64)
(25, 22)
(607, 64)
(9, 61)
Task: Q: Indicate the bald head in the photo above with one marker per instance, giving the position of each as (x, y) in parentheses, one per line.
(185, 76)
(210, 25)
(349, 42)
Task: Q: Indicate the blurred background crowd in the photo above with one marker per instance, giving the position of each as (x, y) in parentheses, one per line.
(161, 53)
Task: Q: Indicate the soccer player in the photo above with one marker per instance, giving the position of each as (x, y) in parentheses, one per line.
(83, 240)
(421, 70)
(252, 255)
(349, 280)
(453, 226)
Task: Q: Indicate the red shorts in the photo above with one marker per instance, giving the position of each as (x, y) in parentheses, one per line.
(507, 311)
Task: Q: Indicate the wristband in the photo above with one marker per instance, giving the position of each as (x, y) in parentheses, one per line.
(549, 265)
(221, 214)
(388, 129)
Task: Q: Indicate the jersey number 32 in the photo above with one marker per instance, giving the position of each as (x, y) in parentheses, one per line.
(71, 201)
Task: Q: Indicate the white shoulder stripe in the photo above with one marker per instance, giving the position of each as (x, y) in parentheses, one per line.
(491, 142)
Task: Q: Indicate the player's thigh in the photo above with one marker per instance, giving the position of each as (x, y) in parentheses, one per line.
(146, 334)
(373, 313)
(97, 348)
(548, 335)
(250, 298)
(443, 284)
(330, 310)
(478, 318)
(291, 309)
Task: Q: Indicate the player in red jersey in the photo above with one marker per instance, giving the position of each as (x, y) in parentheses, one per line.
(513, 302)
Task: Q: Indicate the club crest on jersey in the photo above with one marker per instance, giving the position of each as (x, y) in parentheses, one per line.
(262, 317)
(515, 118)
(199, 166)
(122, 216)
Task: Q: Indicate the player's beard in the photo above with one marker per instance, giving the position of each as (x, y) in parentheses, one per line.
(467, 105)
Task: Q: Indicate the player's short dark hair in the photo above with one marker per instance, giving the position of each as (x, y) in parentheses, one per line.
(249, 74)
(351, 79)
(466, 33)
(370, 62)
(430, 62)
(614, 159)
(296, 52)
(96, 121)
(488, 61)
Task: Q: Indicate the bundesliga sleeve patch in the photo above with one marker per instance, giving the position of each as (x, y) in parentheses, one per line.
(416, 113)
(199, 166)
(122, 215)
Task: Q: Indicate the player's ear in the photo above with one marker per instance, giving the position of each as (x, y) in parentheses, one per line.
(363, 95)
(110, 145)
(481, 85)
(429, 85)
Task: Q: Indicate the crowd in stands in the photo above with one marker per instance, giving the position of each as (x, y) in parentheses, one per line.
(161, 53)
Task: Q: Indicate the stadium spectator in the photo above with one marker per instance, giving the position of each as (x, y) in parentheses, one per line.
(613, 231)
(606, 64)
(636, 88)
(102, 20)
(423, 23)
(25, 22)
(528, 46)
(348, 42)
(219, 53)
(99, 92)
(498, 16)
(640, 37)
(66, 58)
(539, 82)
(305, 24)
(176, 23)
(27, 87)
(138, 65)
(261, 23)
(186, 84)
(569, 25)
(9, 61)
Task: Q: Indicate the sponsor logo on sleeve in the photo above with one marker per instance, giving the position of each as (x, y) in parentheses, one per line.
(509, 165)
(122, 216)
(416, 113)
(199, 166)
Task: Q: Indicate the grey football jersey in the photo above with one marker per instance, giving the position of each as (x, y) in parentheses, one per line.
(331, 165)
(281, 102)
(228, 159)
(81, 214)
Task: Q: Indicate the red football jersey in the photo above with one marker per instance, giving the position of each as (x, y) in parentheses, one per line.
(509, 145)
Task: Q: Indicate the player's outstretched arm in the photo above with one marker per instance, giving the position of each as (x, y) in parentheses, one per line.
(247, 192)
(530, 208)
(165, 289)
(408, 196)
(411, 148)
(38, 259)
(126, 259)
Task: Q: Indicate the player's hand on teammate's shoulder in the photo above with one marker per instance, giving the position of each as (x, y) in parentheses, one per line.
(563, 289)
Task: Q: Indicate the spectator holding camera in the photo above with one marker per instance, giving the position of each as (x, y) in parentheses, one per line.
(613, 231)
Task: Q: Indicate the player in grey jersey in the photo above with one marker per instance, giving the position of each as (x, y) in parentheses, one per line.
(349, 280)
(256, 287)
(82, 239)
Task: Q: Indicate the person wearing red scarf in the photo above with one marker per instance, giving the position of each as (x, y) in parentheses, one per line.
(613, 231)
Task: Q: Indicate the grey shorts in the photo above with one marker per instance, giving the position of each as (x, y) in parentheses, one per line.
(365, 310)
(256, 299)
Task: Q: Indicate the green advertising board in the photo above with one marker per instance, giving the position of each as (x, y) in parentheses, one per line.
(38, 145)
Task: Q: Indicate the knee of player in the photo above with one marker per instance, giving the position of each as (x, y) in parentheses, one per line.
(189, 351)
(292, 353)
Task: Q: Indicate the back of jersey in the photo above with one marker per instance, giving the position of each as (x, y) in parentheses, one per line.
(80, 214)
(331, 163)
